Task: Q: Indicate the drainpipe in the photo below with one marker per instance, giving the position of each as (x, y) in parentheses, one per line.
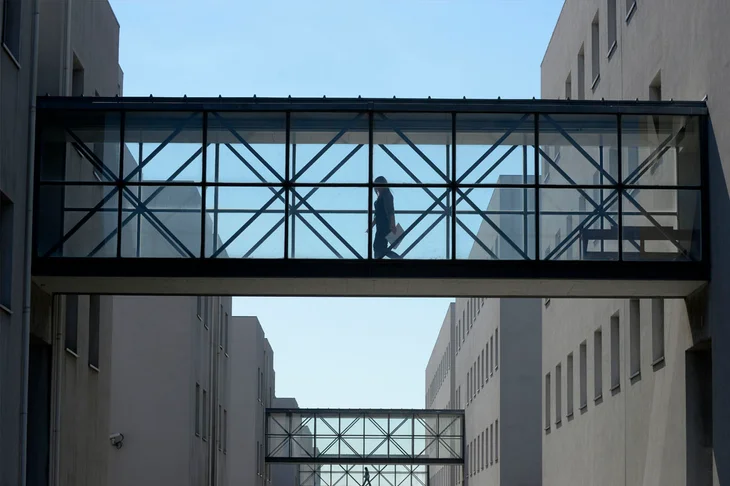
(28, 251)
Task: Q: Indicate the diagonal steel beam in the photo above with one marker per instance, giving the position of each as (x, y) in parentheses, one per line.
(159, 148)
(494, 147)
(476, 239)
(324, 149)
(580, 149)
(415, 148)
(422, 236)
(408, 171)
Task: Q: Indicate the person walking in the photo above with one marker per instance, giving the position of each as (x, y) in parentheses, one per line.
(384, 221)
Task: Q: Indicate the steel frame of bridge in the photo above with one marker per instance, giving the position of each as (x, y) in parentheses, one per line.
(203, 263)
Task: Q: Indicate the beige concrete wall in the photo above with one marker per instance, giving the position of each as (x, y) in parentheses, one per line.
(639, 434)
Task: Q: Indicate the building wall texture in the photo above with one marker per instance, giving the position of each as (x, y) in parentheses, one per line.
(657, 427)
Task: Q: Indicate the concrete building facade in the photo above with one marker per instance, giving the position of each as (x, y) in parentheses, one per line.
(502, 412)
(632, 390)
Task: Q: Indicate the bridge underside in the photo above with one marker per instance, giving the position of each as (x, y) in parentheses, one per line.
(278, 196)
(308, 278)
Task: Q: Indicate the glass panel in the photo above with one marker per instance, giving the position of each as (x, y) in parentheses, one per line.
(578, 224)
(424, 215)
(400, 425)
(79, 146)
(412, 148)
(77, 221)
(329, 147)
(161, 221)
(662, 225)
(246, 147)
(278, 423)
(278, 446)
(352, 426)
(170, 150)
(504, 231)
(578, 149)
(327, 446)
(661, 150)
(376, 426)
(328, 222)
(244, 222)
(327, 425)
(494, 148)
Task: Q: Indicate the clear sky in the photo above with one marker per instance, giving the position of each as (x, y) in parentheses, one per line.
(339, 352)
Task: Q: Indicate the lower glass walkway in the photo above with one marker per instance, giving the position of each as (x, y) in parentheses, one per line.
(173, 190)
(365, 437)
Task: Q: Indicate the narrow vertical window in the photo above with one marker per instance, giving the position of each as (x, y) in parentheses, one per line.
(72, 323)
(197, 409)
(615, 352)
(496, 349)
(484, 450)
(468, 388)
(479, 373)
(484, 368)
(496, 441)
(558, 393)
(486, 363)
(6, 251)
(581, 74)
(657, 331)
(569, 87)
(569, 386)
(598, 364)
(205, 415)
(491, 444)
(611, 19)
(583, 375)
(199, 308)
(12, 21)
(635, 336)
(94, 321)
(225, 431)
(595, 52)
(547, 401)
(630, 9)
(491, 355)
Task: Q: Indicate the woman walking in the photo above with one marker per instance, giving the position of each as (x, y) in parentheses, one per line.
(384, 220)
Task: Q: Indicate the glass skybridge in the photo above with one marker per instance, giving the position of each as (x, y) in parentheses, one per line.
(494, 197)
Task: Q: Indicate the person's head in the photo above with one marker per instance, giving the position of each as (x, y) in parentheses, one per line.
(380, 180)
(366, 469)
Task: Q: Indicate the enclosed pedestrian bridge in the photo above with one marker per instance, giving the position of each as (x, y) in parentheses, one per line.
(262, 196)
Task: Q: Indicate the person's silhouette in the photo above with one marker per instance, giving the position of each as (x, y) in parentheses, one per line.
(366, 479)
(384, 220)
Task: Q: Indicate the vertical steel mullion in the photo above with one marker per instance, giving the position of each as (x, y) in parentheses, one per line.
(387, 436)
(600, 192)
(204, 184)
(293, 210)
(139, 198)
(120, 182)
(620, 189)
(536, 186)
(524, 200)
(454, 187)
(288, 188)
(291, 439)
(216, 196)
(705, 220)
(447, 254)
(370, 184)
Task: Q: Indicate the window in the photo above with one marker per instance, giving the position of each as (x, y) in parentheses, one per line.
(496, 441)
(598, 364)
(484, 450)
(496, 349)
(197, 409)
(219, 421)
(491, 355)
(491, 444)
(199, 308)
(479, 373)
(484, 369)
(259, 388)
(77, 78)
(12, 20)
(464, 324)
(569, 385)
(611, 19)
(595, 52)
(615, 352)
(657, 331)
(655, 88)
(583, 375)
(635, 336)
(478, 455)
(225, 431)
(630, 9)
(94, 318)
(547, 401)
(220, 327)
(205, 415)
(72, 323)
(468, 388)
(225, 333)
(581, 74)
(558, 393)
(258, 459)
(568, 87)
(486, 363)
(6, 251)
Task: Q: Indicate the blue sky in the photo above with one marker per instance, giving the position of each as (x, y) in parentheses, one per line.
(339, 352)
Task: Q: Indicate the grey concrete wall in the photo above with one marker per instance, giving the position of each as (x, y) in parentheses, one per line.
(686, 44)
(251, 359)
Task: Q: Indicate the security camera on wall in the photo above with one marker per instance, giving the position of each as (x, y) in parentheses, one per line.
(117, 440)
